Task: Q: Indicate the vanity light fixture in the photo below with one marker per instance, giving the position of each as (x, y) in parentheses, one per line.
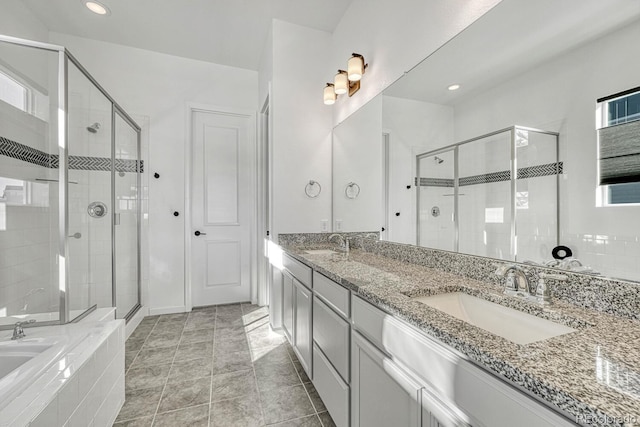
(454, 87)
(346, 81)
(97, 7)
(329, 94)
(341, 83)
(356, 67)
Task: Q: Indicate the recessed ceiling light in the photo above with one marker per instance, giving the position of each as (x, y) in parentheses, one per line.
(454, 87)
(97, 8)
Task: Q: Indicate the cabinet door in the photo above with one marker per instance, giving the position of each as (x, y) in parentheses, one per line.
(275, 298)
(435, 413)
(287, 305)
(302, 325)
(382, 393)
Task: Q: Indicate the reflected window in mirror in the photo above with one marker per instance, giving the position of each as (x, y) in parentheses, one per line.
(618, 120)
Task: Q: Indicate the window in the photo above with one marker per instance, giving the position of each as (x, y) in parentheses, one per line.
(617, 110)
(13, 93)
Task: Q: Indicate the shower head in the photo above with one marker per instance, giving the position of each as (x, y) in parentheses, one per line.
(438, 159)
(94, 127)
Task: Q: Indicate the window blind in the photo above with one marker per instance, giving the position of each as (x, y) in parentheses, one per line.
(619, 157)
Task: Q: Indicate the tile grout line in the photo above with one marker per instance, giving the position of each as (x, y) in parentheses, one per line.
(213, 352)
(253, 367)
(140, 349)
(170, 368)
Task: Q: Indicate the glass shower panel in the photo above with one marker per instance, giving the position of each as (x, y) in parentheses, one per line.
(436, 200)
(28, 185)
(126, 211)
(90, 211)
(485, 197)
(536, 195)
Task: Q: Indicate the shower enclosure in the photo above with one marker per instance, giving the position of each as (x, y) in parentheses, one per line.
(495, 195)
(70, 179)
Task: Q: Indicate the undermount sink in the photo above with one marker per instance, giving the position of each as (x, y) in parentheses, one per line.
(321, 252)
(513, 325)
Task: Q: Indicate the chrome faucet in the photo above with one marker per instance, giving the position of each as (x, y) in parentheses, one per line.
(344, 242)
(18, 332)
(516, 282)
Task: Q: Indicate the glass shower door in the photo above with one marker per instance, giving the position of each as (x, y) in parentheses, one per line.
(90, 210)
(126, 209)
(485, 197)
(436, 201)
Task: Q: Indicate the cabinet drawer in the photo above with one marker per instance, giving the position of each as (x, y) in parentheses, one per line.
(369, 320)
(298, 269)
(334, 294)
(332, 390)
(331, 334)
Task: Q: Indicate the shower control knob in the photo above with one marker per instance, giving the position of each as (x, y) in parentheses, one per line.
(156, 175)
(397, 213)
(198, 233)
(176, 213)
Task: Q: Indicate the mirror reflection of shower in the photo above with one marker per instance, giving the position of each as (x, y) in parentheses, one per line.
(94, 128)
(438, 160)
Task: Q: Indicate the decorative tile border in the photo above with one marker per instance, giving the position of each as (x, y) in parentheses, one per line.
(547, 169)
(613, 296)
(22, 152)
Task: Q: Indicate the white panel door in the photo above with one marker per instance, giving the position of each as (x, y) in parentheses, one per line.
(221, 207)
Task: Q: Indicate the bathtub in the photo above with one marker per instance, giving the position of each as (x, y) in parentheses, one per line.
(28, 358)
(65, 374)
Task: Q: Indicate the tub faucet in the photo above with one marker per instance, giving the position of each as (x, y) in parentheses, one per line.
(18, 332)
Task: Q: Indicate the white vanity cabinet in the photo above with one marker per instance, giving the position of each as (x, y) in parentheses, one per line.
(331, 338)
(302, 334)
(453, 391)
(287, 304)
(297, 310)
(382, 393)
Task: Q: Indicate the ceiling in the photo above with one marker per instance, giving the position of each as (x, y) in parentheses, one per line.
(510, 39)
(227, 32)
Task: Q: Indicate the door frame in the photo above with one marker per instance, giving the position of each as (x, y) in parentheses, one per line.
(264, 205)
(192, 108)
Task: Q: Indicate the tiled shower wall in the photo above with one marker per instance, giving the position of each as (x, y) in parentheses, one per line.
(27, 226)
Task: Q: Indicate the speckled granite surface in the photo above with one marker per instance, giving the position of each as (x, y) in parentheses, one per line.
(592, 375)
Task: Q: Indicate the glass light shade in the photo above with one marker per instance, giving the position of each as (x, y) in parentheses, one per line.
(355, 68)
(341, 83)
(97, 8)
(329, 95)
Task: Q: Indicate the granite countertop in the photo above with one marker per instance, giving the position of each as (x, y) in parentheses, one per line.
(592, 374)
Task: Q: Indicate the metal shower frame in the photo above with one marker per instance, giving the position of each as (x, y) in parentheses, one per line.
(64, 57)
(513, 169)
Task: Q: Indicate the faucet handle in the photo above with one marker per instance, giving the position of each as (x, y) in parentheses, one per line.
(543, 293)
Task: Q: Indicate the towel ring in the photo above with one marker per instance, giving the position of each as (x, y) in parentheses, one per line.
(313, 189)
(352, 190)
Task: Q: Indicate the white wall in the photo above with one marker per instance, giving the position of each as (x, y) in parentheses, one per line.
(301, 129)
(357, 158)
(159, 86)
(393, 36)
(560, 95)
(414, 127)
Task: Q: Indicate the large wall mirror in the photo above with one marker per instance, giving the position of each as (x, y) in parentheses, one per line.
(536, 148)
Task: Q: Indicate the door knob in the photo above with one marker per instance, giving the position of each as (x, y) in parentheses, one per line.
(197, 233)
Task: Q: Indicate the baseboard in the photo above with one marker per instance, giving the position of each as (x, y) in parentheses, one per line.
(133, 323)
(167, 310)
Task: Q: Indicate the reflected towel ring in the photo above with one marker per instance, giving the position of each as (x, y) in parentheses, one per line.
(352, 190)
(312, 189)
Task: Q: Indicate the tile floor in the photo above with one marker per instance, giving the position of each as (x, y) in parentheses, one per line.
(216, 366)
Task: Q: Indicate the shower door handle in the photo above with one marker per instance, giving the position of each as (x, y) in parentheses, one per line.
(116, 219)
(198, 233)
